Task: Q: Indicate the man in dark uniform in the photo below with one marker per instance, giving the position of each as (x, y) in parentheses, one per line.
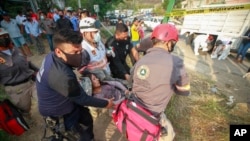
(63, 22)
(120, 46)
(16, 74)
(159, 74)
(59, 92)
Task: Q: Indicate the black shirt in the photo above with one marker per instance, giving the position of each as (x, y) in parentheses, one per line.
(118, 64)
(64, 23)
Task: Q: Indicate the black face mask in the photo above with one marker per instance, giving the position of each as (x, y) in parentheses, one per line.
(73, 60)
(5, 42)
(61, 16)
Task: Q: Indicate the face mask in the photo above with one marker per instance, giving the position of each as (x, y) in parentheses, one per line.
(97, 37)
(61, 16)
(5, 42)
(73, 60)
(42, 17)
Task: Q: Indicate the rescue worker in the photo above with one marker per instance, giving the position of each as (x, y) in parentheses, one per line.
(92, 43)
(16, 74)
(202, 41)
(120, 46)
(59, 92)
(159, 74)
(221, 49)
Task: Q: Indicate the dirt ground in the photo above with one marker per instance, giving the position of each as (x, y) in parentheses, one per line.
(104, 128)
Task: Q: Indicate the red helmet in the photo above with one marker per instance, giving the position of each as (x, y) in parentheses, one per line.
(165, 32)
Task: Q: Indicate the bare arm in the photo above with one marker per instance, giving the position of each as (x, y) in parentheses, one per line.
(135, 54)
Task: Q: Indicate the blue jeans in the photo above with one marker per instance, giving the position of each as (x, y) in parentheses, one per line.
(135, 43)
(243, 50)
(50, 40)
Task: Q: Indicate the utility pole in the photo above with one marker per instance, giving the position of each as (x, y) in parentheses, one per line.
(79, 4)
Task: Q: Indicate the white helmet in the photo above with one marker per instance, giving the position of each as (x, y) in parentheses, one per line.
(3, 31)
(87, 25)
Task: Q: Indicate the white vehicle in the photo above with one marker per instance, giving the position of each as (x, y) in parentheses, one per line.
(152, 22)
(230, 24)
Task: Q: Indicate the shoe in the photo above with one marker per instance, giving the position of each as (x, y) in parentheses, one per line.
(164, 131)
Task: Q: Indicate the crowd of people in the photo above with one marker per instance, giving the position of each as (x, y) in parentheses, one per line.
(76, 44)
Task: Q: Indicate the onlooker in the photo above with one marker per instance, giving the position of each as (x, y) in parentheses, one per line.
(33, 15)
(16, 74)
(55, 15)
(63, 22)
(244, 46)
(73, 19)
(153, 89)
(121, 46)
(92, 43)
(84, 14)
(21, 20)
(135, 38)
(202, 41)
(221, 49)
(129, 30)
(47, 26)
(17, 38)
(140, 29)
(33, 29)
(67, 99)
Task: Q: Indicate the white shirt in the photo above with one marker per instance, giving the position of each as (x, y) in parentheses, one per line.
(20, 19)
(97, 54)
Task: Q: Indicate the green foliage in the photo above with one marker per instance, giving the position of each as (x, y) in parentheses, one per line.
(45, 5)
(104, 5)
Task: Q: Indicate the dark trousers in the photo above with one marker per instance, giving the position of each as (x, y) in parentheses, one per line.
(50, 40)
(80, 121)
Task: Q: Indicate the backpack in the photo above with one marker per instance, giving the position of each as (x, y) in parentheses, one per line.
(135, 122)
(11, 120)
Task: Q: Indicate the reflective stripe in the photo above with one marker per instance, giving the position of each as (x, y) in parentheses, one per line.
(183, 88)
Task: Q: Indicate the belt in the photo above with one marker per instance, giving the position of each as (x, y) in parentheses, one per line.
(17, 83)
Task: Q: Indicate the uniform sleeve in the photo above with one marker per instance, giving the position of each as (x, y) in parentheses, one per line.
(68, 86)
(182, 84)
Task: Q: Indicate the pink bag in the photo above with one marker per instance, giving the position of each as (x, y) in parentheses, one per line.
(137, 123)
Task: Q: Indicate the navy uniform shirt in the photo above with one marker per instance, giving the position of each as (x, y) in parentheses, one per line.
(154, 79)
(58, 89)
